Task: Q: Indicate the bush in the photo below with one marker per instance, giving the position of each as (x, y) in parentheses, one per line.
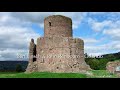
(100, 63)
(94, 64)
(19, 68)
(97, 64)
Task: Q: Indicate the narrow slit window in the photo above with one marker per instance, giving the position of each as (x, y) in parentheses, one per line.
(49, 23)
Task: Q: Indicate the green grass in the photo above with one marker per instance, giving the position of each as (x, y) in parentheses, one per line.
(89, 74)
(42, 75)
(101, 74)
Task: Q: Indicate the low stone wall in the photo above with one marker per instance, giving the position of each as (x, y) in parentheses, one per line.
(113, 67)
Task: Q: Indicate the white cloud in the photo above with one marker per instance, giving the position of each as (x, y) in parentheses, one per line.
(19, 37)
(91, 49)
(110, 28)
(90, 40)
(38, 17)
(95, 50)
(15, 40)
(14, 36)
(113, 33)
(95, 54)
(99, 26)
(6, 19)
(113, 46)
(15, 31)
(111, 21)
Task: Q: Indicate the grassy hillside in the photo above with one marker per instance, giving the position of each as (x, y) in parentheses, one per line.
(89, 74)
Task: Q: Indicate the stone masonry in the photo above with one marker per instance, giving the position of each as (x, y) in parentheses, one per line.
(113, 67)
(57, 51)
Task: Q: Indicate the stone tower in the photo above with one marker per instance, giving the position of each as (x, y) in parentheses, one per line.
(57, 51)
(58, 26)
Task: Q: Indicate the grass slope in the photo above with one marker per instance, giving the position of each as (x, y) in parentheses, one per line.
(89, 74)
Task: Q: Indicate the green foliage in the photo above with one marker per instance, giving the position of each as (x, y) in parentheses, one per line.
(102, 74)
(100, 63)
(112, 57)
(94, 64)
(86, 55)
(97, 64)
(19, 68)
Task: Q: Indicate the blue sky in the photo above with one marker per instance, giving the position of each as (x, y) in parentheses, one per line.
(99, 30)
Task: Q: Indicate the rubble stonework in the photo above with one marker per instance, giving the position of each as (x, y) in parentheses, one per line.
(113, 66)
(32, 65)
(57, 51)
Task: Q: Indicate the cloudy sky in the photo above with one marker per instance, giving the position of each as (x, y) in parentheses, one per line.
(99, 30)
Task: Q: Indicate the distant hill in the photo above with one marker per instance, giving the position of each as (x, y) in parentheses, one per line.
(112, 56)
(11, 65)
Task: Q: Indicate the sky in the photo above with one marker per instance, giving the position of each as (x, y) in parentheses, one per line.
(99, 30)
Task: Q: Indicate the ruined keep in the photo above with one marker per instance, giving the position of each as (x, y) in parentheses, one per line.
(57, 51)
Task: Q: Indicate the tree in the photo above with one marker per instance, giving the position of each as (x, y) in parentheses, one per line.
(19, 68)
(94, 64)
(86, 55)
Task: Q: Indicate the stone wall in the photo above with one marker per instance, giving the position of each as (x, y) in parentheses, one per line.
(60, 54)
(32, 65)
(113, 67)
(58, 51)
(58, 25)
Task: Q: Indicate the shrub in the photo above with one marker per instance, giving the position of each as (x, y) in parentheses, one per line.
(19, 68)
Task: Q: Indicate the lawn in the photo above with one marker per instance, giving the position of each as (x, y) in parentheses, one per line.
(88, 74)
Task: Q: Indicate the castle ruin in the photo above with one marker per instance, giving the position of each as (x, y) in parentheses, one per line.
(57, 51)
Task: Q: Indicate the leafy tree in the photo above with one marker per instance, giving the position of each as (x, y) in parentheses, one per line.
(86, 55)
(19, 68)
(94, 64)
(97, 64)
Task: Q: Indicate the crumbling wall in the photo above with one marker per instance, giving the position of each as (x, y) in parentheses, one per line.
(58, 51)
(113, 66)
(32, 66)
(60, 54)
